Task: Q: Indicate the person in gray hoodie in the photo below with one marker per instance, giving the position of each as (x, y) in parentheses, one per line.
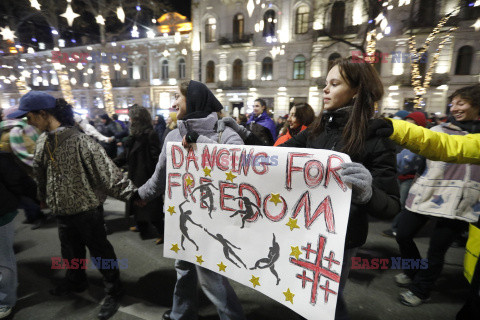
(197, 114)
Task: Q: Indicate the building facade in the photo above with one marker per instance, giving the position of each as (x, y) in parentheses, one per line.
(263, 53)
(278, 50)
(143, 71)
(281, 50)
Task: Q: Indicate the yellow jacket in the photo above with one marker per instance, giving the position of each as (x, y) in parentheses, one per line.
(437, 146)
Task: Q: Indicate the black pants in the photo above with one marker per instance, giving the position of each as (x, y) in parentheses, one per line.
(86, 230)
(471, 309)
(444, 233)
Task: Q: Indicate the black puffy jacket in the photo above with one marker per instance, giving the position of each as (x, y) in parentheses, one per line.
(378, 157)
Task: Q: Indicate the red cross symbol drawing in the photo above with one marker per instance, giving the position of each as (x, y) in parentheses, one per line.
(308, 250)
(331, 259)
(317, 270)
(327, 290)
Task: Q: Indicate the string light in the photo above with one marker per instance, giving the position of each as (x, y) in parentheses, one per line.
(121, 14)
(70, 15)
(476, 25)
(134, 31)
(107, 89)
(100, 20)
(250, 7)
(35, 4)
(7, 34)
(64, 83)
(419, 86)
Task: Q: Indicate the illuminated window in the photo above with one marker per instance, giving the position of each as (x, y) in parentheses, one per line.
(301, 22)
(299, 68)
(210, 30)
(164, 69)
(269, 22)
(181, 68)
(267, 68)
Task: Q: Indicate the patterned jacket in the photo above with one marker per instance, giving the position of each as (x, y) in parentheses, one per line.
(447, 190)
(71, 169)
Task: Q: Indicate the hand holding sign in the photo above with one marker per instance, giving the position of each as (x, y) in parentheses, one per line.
(270, 218)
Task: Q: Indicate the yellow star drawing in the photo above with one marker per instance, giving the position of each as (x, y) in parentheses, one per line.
(189, 181)
(289, 296)
(295, 252)
(199, 259)
(207, 171)
(171, 210)
(292, 223)
(275, 198)
(255, 281)
(230, 175)
(175, 248)
(221, 266)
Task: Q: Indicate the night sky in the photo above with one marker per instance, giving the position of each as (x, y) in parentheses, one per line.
(182, 7)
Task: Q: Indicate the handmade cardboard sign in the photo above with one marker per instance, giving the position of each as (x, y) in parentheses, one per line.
(273, 219)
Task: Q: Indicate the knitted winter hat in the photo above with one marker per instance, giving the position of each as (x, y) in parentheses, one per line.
(418, 117)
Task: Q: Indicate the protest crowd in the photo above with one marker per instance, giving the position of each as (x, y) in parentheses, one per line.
(57, 165)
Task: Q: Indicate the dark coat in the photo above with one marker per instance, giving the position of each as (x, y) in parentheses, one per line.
(110, 129)
(14, 183)
(378, 157)
(165, 134)
(140, 158)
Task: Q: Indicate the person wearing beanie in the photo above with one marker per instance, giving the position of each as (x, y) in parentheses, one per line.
(70, 169)
(197, 114)
(400, 115)
(417, 118)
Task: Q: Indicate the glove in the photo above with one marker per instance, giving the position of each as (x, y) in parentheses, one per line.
(361, 180)
(380, 127)
(230, 122)
(191, 137)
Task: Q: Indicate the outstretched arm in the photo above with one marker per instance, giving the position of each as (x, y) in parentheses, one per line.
(437, 146)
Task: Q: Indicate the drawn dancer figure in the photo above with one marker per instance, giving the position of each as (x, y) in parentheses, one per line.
(248, 213)
(184, 217)
(227, 250)
(206, 193)
(269, 262)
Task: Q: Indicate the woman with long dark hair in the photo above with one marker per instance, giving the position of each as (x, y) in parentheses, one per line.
(300, 117)
(197, 114)
(140, 156)
(350, 94)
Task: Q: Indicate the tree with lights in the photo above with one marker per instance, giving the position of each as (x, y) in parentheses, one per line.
(420, 84)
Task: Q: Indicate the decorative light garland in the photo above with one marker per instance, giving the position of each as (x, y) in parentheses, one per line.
(420, 88)
(64, 83)
(107, 89)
